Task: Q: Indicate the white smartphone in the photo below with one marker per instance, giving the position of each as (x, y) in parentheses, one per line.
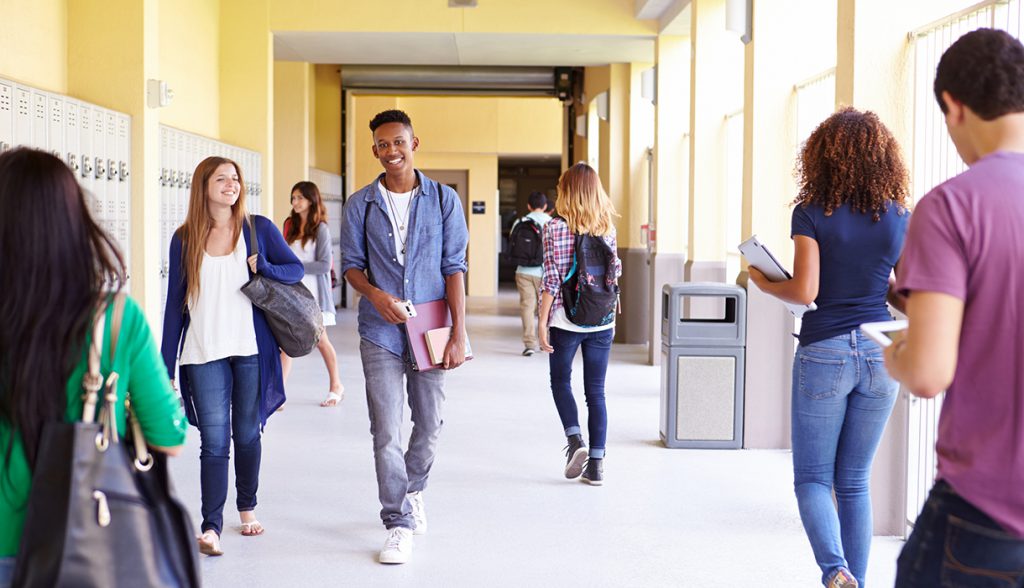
(405, 307)
(878, 332)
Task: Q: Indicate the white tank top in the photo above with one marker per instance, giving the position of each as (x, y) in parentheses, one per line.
(221, 319)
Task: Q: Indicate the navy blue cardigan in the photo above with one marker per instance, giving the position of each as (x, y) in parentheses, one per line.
(277, 262)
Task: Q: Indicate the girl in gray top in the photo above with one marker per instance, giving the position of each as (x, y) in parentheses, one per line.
(309, 237)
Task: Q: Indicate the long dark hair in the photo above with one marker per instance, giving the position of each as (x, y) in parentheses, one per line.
(316, 214)
(56, 265)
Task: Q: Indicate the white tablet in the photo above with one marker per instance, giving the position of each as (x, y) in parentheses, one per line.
(878, 332)
(758, 256)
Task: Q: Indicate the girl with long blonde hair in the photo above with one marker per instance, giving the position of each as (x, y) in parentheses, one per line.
(230, 369)
(309, 237)
(580, 249)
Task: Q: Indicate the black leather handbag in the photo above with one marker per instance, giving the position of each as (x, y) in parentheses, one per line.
(292, 312)
(102, 512)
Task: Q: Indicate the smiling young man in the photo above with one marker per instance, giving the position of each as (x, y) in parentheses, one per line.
(403, 237)
(963, 268)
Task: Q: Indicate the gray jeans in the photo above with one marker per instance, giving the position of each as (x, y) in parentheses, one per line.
(399, 474)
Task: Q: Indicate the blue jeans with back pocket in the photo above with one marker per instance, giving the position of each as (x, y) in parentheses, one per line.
(956, 544)
(842, 399)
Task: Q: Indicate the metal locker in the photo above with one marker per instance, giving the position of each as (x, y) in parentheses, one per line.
(165, 217)
(40, 121)
(72, 136)
(110, 156)
(55, 125)
(22, 116)
(6, 115)
(85, 159)
(123, 183)
(98, 156)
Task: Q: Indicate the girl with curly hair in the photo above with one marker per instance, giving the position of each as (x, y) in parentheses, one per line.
(848, 227)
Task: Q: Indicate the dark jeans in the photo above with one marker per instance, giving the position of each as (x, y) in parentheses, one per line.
(596, 346)
(954, 544)
(226, 393)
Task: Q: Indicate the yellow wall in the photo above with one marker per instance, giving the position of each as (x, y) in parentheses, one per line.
(190, 64)
(671, 163)
(465, 133)
(33, 43)
(325, 133)
(291, 131)
(247, 85)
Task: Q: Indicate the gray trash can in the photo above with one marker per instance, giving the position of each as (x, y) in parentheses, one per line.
(703, 334)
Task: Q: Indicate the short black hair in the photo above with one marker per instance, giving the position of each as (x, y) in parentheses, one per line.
(984, 69)
(391, 116)
(537, 200)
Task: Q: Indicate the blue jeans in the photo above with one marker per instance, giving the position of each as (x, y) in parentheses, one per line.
(597, 346)
(399, 474)
(955, 544)
(6, 571)
(842, 399)
(226, 394)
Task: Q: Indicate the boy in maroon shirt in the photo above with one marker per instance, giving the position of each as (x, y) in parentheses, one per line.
(963, 270)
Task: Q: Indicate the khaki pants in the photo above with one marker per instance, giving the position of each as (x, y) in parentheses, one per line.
(529, 294)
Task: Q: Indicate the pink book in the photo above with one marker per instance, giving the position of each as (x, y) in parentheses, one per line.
(430, 316)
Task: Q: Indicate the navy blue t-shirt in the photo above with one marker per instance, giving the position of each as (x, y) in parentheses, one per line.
(857, 256)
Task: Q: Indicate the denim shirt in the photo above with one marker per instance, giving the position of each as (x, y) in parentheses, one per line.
(436, 249)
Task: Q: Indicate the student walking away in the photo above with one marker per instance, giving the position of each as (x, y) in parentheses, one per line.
(963, 272)
(848, 227)
(578, 305)
(526, 249)
(309, 237)
(230, 368)
(60, 267)
(404, 237)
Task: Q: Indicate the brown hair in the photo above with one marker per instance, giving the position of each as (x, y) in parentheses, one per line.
(583, 203)
(57, 266)
(852, 158)
(317, 214)
(198, 222)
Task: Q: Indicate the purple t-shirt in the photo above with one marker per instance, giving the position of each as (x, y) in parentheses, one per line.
(966, 239)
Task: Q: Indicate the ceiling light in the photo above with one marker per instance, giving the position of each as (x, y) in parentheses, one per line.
(461, 3)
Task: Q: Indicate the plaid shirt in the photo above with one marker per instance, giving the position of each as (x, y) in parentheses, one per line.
(559, 243)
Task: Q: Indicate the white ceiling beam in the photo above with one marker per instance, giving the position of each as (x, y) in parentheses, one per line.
(651, 9)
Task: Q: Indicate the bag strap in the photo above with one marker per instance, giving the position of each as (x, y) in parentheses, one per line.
(92, 381)
(255, 245)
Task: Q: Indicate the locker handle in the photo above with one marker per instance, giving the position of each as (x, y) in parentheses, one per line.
(111, 169)
(73, 162)
(86, 166)
(123, 169)
(101, 169)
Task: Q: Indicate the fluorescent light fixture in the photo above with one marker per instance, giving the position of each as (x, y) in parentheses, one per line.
(738, 17)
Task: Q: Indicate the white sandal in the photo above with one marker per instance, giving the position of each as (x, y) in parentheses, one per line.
(333, 399)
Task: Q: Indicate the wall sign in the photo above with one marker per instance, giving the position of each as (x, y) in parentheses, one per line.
(479, 207)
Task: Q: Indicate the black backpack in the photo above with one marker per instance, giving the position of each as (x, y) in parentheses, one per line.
(525, 244)
(588, 299)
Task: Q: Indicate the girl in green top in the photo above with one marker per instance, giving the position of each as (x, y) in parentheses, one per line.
(57, 265)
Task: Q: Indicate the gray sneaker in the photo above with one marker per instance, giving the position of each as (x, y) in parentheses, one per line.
(593, 472)
(575, 455)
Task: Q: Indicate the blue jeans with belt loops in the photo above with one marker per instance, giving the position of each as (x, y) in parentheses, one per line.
(842, 399)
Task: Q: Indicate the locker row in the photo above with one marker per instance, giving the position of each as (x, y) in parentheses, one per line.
(95, 142)
(180, 153)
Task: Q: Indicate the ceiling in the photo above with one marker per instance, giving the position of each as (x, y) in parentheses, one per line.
(500, 49)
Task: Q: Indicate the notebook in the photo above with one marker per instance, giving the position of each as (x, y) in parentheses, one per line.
(429, 316)
(437, 340)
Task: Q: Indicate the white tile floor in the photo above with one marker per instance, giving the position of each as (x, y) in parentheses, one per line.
(501, 514)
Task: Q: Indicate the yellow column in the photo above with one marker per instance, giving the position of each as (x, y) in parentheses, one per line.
(291, 130)
(326, 132)
(247, 84)
(111, 70)
(716, 87)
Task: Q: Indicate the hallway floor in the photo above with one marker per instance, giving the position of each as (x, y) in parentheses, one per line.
(500, 512)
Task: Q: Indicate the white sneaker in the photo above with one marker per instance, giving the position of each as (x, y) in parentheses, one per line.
(419, 512)
(397, 547)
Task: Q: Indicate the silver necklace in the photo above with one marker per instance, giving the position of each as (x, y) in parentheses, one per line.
(402, 237)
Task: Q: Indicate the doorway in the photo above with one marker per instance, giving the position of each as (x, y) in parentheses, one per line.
(517, 177)
(458, 180)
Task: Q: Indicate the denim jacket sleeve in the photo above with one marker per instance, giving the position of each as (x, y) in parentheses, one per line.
(456, 234)
(276, 260)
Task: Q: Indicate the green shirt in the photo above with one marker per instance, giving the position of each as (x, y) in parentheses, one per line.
(156, 405)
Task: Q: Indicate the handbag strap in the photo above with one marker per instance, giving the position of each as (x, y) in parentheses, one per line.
(92, 382)
(255, 245)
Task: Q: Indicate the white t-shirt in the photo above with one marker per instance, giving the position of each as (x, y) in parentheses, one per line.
(399, 207)
(221, 319)
(561, 321)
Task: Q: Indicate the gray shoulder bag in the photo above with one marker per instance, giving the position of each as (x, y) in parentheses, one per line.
(292, 312)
